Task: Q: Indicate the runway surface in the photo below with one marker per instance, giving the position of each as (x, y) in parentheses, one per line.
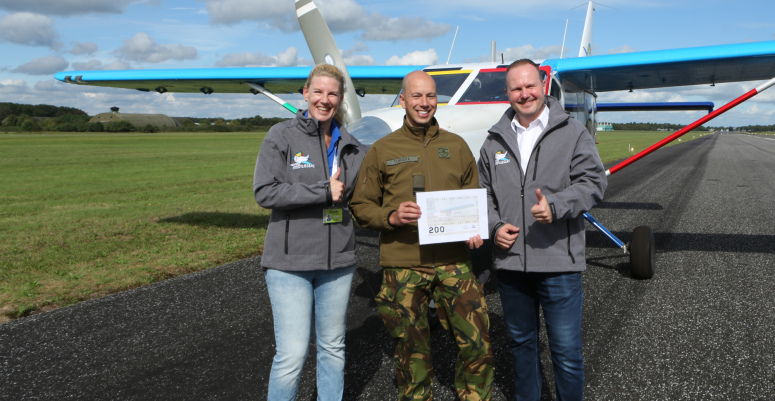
(701, 329)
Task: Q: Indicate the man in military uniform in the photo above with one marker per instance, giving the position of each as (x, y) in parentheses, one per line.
(421, 157)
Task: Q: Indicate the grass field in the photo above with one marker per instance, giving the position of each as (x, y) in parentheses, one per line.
(84, 215)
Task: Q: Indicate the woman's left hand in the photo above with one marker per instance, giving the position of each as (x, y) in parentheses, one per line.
(337, 187)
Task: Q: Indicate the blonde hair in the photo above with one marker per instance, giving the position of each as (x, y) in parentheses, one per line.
(331, 71)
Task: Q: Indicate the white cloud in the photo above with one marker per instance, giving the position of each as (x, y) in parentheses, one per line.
(383, 28)
(89, 65)
(84, 48)
(43, 66)
(16, 87)
(622, 49)
(97, 65)
(340, 16)
(528, 51)
(351, 56)
(418, 57)
(234, 11)
(359, 59)
(29, 30)
(287, 58)
(69, 7)
(142, 48)
(117, 65)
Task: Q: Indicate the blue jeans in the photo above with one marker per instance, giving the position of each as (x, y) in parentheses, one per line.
(296, 298)
(561, 297)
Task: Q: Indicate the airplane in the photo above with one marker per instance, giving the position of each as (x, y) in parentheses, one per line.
(472, 97)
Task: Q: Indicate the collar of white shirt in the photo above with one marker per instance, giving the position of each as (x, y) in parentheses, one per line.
(540, 122)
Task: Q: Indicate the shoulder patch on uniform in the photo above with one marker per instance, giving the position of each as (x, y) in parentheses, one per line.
(407, 159)
(443, 153)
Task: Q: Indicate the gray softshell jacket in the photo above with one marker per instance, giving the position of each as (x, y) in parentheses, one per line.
(566, 167)
(292, 179)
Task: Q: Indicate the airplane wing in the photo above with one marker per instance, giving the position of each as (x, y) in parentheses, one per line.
(667, 68)
(366, 79)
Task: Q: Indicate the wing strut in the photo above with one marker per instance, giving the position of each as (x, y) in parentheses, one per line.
(753, 92)
(255, 89)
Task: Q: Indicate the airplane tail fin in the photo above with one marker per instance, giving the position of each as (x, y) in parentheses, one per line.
(324, 50)
(586, 38)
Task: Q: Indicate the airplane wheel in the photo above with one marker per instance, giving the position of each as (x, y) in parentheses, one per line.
(642, 253)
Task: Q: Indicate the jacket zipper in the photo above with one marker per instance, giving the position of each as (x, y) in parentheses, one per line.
(428, 182)
(524, 242)
(567, 227)
(287, 229)
(326, 175)
(535, 166)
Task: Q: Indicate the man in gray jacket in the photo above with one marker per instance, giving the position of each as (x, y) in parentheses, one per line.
(541, 171)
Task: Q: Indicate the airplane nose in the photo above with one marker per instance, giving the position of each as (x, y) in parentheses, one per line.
(368, 129)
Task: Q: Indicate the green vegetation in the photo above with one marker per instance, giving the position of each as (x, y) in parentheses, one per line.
(614, 145)
(16, 118)
(652, 127)
(84, 215)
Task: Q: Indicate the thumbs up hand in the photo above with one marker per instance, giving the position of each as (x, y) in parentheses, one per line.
(541, 210)
(337, 187)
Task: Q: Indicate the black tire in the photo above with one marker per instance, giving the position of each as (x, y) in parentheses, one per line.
(642, 253)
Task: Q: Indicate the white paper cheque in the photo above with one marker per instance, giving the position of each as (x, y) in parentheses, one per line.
(451, 216)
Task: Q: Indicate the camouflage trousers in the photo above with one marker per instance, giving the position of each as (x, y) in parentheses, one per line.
(459, 297)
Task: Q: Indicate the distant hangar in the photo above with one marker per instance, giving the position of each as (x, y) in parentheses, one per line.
(138, 120)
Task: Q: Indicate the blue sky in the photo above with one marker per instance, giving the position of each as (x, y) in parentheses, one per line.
(41, 37)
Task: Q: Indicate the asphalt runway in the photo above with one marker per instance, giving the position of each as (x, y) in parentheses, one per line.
(701, 329)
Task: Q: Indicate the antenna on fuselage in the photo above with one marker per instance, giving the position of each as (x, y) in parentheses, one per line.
(453, 44)
(492, 52)
(562, 49)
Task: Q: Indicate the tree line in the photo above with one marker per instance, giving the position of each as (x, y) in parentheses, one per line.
(44, 117)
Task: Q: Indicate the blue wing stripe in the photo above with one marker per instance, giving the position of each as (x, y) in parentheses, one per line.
(667, 68)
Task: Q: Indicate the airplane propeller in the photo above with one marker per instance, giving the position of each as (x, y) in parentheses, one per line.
(324, 50)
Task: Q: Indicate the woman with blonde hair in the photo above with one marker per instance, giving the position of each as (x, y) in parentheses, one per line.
(305, 173)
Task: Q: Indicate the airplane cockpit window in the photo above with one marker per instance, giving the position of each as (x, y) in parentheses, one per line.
(488, 86)
(446, 85)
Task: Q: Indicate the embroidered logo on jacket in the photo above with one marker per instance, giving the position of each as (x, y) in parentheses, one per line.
(301, 161)
(500, 157)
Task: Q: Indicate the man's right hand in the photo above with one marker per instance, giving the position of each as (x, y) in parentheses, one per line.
(506, 236)
(407, 212)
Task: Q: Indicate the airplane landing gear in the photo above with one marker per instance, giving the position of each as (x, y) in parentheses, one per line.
(642, 249)
(642, 253)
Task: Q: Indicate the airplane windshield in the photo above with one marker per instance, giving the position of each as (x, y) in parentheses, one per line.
(488, 86)
(446, 85)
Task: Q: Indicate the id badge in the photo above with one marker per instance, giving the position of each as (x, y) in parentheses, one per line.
(331, 216)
